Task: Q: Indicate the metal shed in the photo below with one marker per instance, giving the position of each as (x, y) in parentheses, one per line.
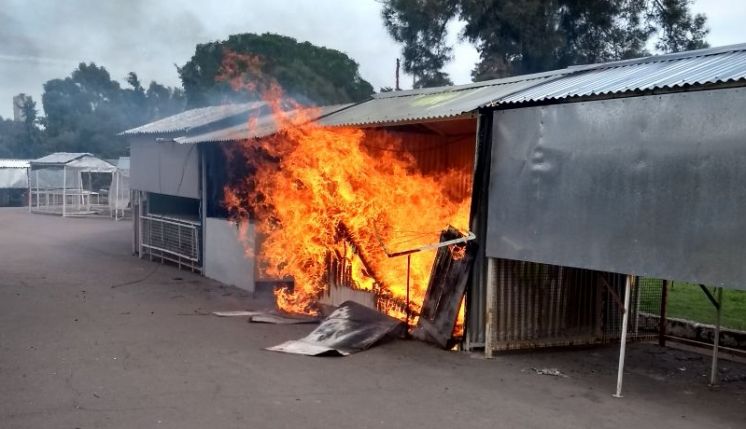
(177, 177)
(640, 165)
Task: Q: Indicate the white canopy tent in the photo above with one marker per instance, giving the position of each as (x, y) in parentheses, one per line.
(119, 193)
(13, 181)
(70, 184)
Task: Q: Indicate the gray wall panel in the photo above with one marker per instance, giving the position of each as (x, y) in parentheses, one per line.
(225, 255)
(164, 167)
(652, 186)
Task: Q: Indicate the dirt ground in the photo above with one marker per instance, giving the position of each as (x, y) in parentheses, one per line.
(92, 337)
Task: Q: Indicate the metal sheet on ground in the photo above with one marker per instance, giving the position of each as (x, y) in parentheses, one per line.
(277, 318)
(348, 329)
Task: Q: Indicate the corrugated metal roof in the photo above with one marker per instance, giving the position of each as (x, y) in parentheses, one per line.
(252, 128)
(705, 66)
(433, 103)
(194, 118)
(60, 158)
(14, 163)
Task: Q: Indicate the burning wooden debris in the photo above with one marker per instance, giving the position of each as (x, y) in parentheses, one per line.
(445, 290)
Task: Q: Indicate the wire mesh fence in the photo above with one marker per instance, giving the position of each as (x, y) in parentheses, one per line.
(688, 311)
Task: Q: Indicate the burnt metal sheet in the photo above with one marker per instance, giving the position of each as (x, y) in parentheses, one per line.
(700, 67)
(194, 118)
(348, 329)
(432, 103)
(651, 186)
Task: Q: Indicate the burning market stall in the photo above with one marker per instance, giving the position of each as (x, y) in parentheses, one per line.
(69, 184)
(13, 182)
(634, 167)
(229, 247)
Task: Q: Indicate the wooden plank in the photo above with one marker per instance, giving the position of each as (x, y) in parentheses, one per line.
(445, 290)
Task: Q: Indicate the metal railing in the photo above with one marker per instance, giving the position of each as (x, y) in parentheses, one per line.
(170, 239)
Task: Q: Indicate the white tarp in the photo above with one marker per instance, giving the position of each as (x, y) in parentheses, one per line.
(13, 178)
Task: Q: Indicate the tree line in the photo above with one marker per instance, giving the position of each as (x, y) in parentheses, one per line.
(526, 36)
(85, 111)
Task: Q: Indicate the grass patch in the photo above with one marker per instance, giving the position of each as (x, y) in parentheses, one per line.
(687, 301)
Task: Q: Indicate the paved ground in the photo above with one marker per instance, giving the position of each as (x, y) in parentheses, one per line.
(91, 337)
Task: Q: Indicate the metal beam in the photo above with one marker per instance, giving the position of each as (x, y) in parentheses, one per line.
(709, 295)
(713, 372)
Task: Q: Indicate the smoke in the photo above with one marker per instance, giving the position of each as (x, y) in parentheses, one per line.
(42, 40)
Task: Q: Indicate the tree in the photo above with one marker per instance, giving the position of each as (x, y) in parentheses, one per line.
(86, 111)
(21, 139)
(526, 36)
(421, 27)
(309, 73)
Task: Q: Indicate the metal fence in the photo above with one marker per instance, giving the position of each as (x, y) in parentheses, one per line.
(539, 305)
(170, 239)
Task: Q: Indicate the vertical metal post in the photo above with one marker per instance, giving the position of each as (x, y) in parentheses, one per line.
(662, 318)
(64, 188)
(623, 340)
(37, 189)
(409, 261)
(719, 308)
(139, 224)
(489, 328)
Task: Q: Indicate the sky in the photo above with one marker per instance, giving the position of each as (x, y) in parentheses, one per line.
(42, 40)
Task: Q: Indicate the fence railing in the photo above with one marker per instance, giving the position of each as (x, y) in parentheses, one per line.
(171, 239)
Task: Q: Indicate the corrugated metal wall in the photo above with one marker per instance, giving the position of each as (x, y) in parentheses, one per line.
(433, 153)
(540, 305)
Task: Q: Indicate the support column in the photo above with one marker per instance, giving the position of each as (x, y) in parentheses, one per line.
(64, 190)
(623, 340)
(489, 324)
(662, 318)
(714, 370)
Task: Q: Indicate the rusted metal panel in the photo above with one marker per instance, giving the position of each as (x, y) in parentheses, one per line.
(540, 305)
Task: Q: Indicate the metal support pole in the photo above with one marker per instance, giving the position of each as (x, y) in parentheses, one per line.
(662, 318)
(623, 340)
(140, 224)
(489, 328)
(719, 308)
(64, 188)
(409, 261)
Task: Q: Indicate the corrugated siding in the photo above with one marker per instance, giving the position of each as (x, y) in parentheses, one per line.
(436, 154)
(431, 104)
(14, 163)
(262, 126)
(540, 305)
(194, 118)
(663, 72)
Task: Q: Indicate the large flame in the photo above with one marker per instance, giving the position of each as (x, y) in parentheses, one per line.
(321, 192)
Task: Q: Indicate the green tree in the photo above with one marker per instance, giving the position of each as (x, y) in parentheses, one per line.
(86, 111)
(421, 27)
(21, 139)
(525, 36)
(308, 73)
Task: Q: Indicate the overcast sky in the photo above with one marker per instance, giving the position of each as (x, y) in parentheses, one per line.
(43, 39)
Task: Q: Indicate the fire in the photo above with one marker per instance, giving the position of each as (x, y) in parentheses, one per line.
(345, 193)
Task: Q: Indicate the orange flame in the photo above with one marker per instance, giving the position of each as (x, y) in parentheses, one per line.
(321, 191)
